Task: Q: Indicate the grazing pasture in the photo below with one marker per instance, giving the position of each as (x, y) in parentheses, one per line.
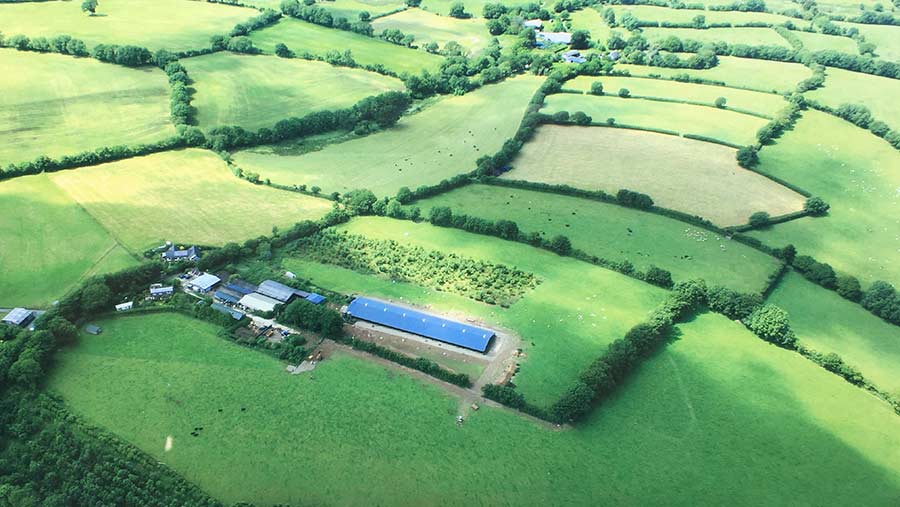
(826, 322)
(436, 143)
(858, 174)
(591, 20)
(472, 34)
(822, 42)
(49, 243)
(762, 75)
(765, 104)
(885, 37)
(618, 233)
(748, 36)
(301, 37)
(175, 25)
(564, 323)
(185, 196)
(349, 9)
(667, 168)
(57, 105)
(258, 91)
(879, 94)
(473, 7)
(665, 14)
(728, 126)
(708, 419)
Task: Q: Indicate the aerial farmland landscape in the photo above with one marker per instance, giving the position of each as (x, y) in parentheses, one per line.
(260, 253)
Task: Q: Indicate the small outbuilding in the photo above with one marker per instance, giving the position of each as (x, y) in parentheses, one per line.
(161, 292)
(316, 299)
(537, 24)
(555, 37)
(235, 314)
(204, 283)
(93, 329)
(124, 307)
(173, 255)
(19, 317)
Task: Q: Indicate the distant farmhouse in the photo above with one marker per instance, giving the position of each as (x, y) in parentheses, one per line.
(19, 317)
(173, 255)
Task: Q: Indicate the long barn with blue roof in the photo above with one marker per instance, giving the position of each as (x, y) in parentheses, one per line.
(421, 323)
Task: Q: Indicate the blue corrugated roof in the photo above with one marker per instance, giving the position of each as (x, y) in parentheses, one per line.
(421, 323)
(315, 298)
(224, 296)
(238, 289)
(235, 314)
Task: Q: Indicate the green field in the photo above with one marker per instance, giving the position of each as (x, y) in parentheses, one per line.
(826, 322)
(258, 91)
(766, 104)
(858, 174)
(653, 13)
(473, 7)
(591, 20)
(439, 142)
(618, 233)
(721, 124)
(472, 34)
(748, 36)
(885, 37)
(564, 323)
(175, 25)
(760, 75)
(58, 105)
(718, 417)
(49, 243)
(182, 196)
(822, 42)
(879, 94)
(301, 37)
(660, 165)
(349, 9)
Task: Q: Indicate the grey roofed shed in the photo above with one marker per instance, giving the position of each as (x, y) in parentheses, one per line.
(19, 317)
(279, 291)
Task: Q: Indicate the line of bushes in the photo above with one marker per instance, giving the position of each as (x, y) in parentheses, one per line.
(182, 113)
(323, 17)
(334, 57)
(417, 363)
(861, 116)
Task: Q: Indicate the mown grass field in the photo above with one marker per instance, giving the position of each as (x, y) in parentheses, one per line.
(301, 37)
(663, 166)
(749, 36)
(879, 94)
(49, 243)
(58, 105)
(439, 142)
(661, 14)
(822, 42)
(766, 104)
(186, 196)
(858, 174)
(175, 25)
(777, 77)
(591, 20)
(564, 323)
(618, 233)
(721, 124)
(258, 91)
(885, 37)
(826, 322)
(718, 417)
(472, 34)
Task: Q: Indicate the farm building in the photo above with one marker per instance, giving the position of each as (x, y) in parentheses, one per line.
(574, 56)
(421, 323)
(174, 255)
(20, 317)
(258, 302)
(93, 329)
(124, 307)
(283, 293)
(204, 283)
(554, 37)
(235, 314)
(226, 296)
(160, 292)
(537, 24)
(240, 287)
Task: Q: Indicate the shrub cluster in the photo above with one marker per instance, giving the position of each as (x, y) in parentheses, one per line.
(323, 16)
(316, 318)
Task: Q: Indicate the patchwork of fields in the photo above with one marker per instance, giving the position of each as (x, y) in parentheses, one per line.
(879, 94)
(762, 75)
(57, 105)
(748, 36)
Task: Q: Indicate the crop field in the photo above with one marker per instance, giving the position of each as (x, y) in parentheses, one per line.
(827, 322)
(879, 94)
(175, 25)
(762, 75)
(822, 42)
(748, 36)
(564, 323)
(182, 196)
(51, 244)
(675, 433)
(858, 174)
(422, 149)
(471, 34)
(58, 105)
(885, 37)
(660, 165)
(765, 104)
(653, 13)
(301, 37)
(257, 91)
(618, 233)
(721, 124)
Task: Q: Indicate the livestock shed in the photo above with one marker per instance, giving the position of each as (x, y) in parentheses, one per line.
(20, 317)
(555, 37)
(240, 287)
(258, 302)
(227, 297)
(204, 282)
(158, 292)
(279, 291)
(421, 323)
(235, 314)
